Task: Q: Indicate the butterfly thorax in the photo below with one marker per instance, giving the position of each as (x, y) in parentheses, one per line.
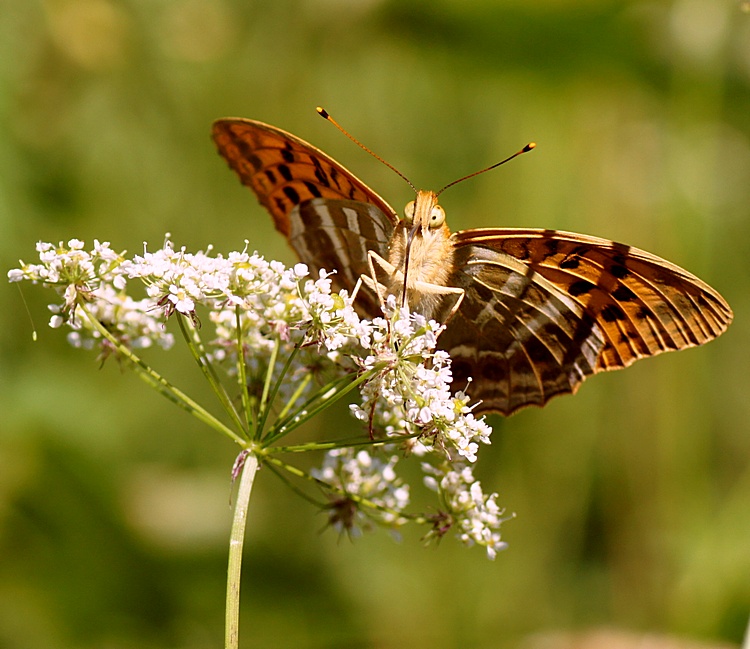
(424, 237)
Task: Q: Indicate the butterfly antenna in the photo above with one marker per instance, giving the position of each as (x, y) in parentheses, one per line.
(525, 149)
(324, 114)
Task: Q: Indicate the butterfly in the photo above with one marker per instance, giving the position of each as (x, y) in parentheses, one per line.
(530, 312)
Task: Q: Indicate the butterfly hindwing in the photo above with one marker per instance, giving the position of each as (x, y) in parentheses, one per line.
(519, 337)
(570, 306)
(337, 235)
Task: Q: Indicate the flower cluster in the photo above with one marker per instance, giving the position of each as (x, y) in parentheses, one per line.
(93, 278)
(408, 396)
(476, 514)
(281, 331)
(410, 391)
(361, 478)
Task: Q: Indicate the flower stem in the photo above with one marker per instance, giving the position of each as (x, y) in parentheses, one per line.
(250, 419)
(236, 541)
(264, 405)
(160, 384)
(196, 348)
(306, 379)
(279, 382)
(322, 399)
(342, 443)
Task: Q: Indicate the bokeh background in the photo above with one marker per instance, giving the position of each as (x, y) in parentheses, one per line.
(632, 498)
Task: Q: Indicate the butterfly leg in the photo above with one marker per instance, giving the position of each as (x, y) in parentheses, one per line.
(432, 300)
(438, 302)
(372, 282)
(356, 288)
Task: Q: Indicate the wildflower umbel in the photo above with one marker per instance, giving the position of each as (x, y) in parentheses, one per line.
(290, 346)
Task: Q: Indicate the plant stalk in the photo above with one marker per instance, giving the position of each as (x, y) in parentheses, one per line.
(236, 541)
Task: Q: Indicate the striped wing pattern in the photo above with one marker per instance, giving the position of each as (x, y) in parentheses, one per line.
(328, 215)
(542, 309)
(545, 309)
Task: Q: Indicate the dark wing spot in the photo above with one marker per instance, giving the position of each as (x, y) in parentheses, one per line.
(570, 262)
(248, 154)
(335, 177)
(285, 173)
(537, 351)
(461, 372)
(312, 188)
(619, 271)
(517, 249)
(287, 154)
(321, 177)
(580, 287)
(271, 176)
(292, 194)
(643, 313)
(670, 344)
(280, 205)
(552, 246)
(492, 370)
(623, 294)
(612, 312)
(320, 174)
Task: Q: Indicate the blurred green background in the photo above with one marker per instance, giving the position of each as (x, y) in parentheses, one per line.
(632, 498)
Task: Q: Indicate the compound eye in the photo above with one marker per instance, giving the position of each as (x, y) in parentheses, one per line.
(437, 216)
(409, 212)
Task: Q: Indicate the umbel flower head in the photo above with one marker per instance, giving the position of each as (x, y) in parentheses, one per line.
(291, 347)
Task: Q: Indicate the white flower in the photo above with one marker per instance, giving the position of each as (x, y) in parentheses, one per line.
(475, 516)
(410, 390)
(284, 329)
(356, 476)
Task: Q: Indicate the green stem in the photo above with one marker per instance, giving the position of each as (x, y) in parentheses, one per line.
(200, 356)
(236, 541)
(306, 379)
(250, 419)
(341, 443)
(277, 385)
(264, 405)
(161, 385)
(322, 399)
(305, 496)
(365, 502)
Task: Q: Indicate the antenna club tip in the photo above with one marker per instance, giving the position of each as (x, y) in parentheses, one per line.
(322, 112)
(528, 147)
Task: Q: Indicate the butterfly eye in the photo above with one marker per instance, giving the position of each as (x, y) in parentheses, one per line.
(437, 216)
(409, 211)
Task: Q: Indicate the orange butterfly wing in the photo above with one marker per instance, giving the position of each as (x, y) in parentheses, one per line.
(545, 309)
(330, 217)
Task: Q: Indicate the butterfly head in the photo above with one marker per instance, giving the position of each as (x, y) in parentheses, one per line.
(421, 249)
(424, 213)
(423, 223)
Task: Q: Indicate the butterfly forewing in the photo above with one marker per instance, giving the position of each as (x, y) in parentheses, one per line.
(542, 309)
(285, 171)
(329, 217)
(570, 306)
